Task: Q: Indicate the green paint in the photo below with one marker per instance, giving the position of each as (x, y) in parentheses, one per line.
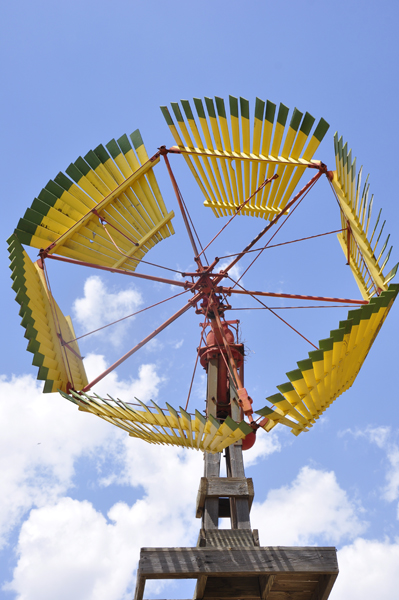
(295, 375)
(92, 160)
(102, 154)
(124, 144)
(270, 111)
(45, 198)
(176, 109)
(82, 165)
(296, 119)
(316, 355)
(199, 107)
(136, 138)
(244, 108)
(220, 107)
(305, 365)
(26, 226)
(73, 173)
(210, 107)
(286, 387)
(38, 359)
(307, 124)
(63, 181)
(276, 398)
(113, 148)
(33, 217)
(282, 114)
(187, 109)
(259, 109)
(166, 115)
(326, 344)
(233, 103)
(321, 130)
(48, 386)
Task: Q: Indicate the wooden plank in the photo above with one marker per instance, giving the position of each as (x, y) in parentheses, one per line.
(239, 507)
(140, 585)
(226, 538)
(246, 588)
(223, 487)
(324, 587)
(200, 587)
(211, 505)
(189, 563)
(210, 517)
(265, 586)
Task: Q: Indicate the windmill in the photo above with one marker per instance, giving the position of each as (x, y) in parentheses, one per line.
(107, 211)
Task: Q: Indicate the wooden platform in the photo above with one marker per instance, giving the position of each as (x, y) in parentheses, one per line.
(247, 573)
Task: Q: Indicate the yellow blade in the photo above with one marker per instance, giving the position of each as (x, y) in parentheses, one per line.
(60, 365)
(168, 427)
(229, 166)
(357, 237)
(120, 185)
(331, 370)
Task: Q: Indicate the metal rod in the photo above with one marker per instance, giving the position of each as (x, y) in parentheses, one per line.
(138, 346)
(229, 291)
(239, 208)
(183, 212)
(223, 155)
(266, 229)
(185, 284)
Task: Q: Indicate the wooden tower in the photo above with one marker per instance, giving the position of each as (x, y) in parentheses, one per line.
(230, 563)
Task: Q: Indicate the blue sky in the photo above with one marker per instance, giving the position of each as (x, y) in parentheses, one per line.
(79, 498)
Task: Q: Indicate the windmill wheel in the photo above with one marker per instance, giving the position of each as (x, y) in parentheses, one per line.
(106, 212)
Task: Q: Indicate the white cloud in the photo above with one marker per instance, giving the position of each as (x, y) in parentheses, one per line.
(145, 386)
(41, 437)
(266, 444)
(235, 273)
(313, 508)
(382, 438)
(81, 554)
(368, 569)
(99, 307)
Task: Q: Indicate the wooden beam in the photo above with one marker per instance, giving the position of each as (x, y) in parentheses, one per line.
(200, 587)
(239, 507)
(190, 563)
(324, 587)
(210, 519)
(265, 586)
(223, 487)
(227, 538)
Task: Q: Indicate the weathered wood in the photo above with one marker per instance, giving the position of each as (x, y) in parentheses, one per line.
(189, 563)
(210, 518)
(239, 507)
(246, 588)
(211, 505)
(265, 585)
(200, 587)
(324, 587)
(226, 538)
(225, 487)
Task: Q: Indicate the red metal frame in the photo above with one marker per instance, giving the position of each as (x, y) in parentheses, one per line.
(207, 292)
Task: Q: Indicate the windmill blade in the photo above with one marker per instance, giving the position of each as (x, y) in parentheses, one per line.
(356, 239)
(229, 167)
(331, 370)
(157, 426)
(49, 332)
(120, 186)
